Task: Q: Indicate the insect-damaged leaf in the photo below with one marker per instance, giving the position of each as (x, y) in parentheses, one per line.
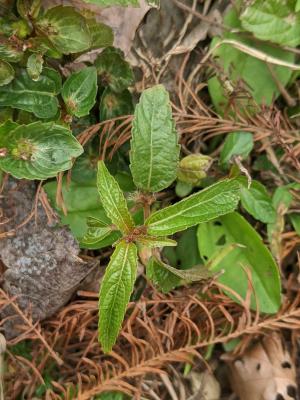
(113, 199)
(116, 288)
(154, 145)
(38, 150)
(218, 199)
(38, 97)
(79, 91)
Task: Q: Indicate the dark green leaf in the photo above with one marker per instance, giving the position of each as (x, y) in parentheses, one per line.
(154, 152)
(116, 288)
(38, 150)
(161, 276)
(101, 34)
(218, 199)
(35, 66)
(113, 70)
(115, 104)
(7, 73)
(236, 144)
(273, 20)
(79, 91)
(187, 252)
(254, 255)
(113, 199)
(66, 29)
(256, 201)
(38, 97)
(29, 9)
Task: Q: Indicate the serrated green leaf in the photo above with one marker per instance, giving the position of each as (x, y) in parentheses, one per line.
(115, 104)
(29, 9)
(116, 288)
(113, 199)
(154, 152)
(236, 144)
(152, 241)
(38, 150)
(218, 199)
(256, 201)
(109, 3)
(66, 29)
(254, 255)
(38, 97)
(113, 70)
(273, 20)
(161, 276)
(101, 34)
(7, 73)
(240, 66)
(35, 66)
(79, 91)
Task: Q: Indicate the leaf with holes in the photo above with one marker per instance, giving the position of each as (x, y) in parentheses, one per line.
(79, 91)
(218, 199)
(254, 255)
(154, 151)
(116, 288)
(38, 150)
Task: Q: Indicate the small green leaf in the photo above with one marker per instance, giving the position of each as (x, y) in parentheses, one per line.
(101, 34)
(193, 168)
(283, 195)
(7, 73)
(236, 144)
(151, 241)
(295, 219)
(183, 189)
(254, 255)
(113, 70)
(38, 150)
(116, 288)
(218, 199)
(161, 276)
(154, 145)
(38, 97)
(115, 104)
(66, 29)
(99, 234)
(79, 91)
(35, 66)
(113, 199)
(28, 9)
(109, 3)
(273, 20)
(256, 201)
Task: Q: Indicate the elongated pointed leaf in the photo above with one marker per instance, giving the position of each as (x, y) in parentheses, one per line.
(116, 288)
(195, 274)
(38, 97)
(66, 29)
(154, 145)
(99, 234)
(38, 150)
(79, 91)
(113, 199)
(152, 241)
(218, 199)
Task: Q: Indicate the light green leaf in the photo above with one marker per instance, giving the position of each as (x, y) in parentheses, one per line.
(273, 20)
(99, 234)
(240, 66)
(38, 97)
(236, 144)
(113, 199)
(101, 34)
(116, 288)
(297, 6)
(295, 219)
(109, 3)
(154, 152)
(256, 201)
(79, 91)
(115, 104)
(66, 29)
(28, 9)
(7, 73)
(35, 66)
(81, 201)
(38, 150)
(283, 195)
(113, 70)
(161, 276)
(183, 189)
(233, 228)
(152, 242)
(218, 199)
